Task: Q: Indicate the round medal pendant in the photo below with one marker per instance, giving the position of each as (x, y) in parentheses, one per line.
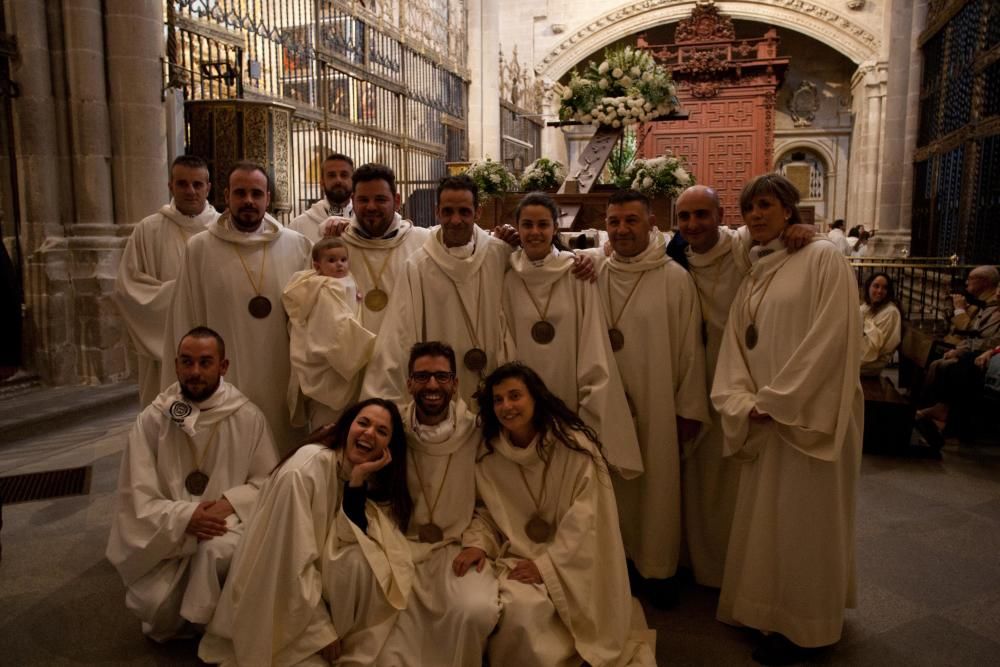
(750, 337)
(538, 529)
(617, 339)
(543, 332)
(376, 300)
(430, 533)
(196, 483)
(259, 307)
(475, 359)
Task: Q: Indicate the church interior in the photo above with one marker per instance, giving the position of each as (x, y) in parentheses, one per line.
(884, 114)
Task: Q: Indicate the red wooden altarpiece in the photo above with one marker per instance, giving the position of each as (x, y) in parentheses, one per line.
(728, 87)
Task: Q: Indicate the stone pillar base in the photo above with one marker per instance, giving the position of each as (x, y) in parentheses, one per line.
(894, 242)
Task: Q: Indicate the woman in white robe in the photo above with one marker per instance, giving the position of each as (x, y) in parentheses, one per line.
(547, 518)
(284, 602)
(559, 330)
(789, 395)
(881, 320)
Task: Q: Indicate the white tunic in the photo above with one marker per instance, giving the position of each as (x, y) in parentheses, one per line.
(577, 365)
(662, 365)
(386, 256)
(880, 337)
(170, 574)
(790, 565)
(145, 286)
(213, 289)
(583, 609)
(709, 481)
(309, 221)
(428, 303)
(328, 346)
(291, 576)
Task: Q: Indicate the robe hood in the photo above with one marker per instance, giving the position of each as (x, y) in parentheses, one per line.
(393, 236)
(268, 232)
(303, 291)
(552, 268)
(190, 224)
(459, 269)
(463, 425)
(188, 415)
(653, 256)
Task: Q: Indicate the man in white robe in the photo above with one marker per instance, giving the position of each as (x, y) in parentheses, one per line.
(151, 262)
(231, 280)
(189, 478)
(338, 170)
(654, 320)
(450, 290)
(839, 238)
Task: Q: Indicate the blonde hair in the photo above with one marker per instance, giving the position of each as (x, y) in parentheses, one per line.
(326, 244)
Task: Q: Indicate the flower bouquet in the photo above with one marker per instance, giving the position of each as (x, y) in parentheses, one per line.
(492, 178)
(664, 175)
(543, 174)
(626, 88)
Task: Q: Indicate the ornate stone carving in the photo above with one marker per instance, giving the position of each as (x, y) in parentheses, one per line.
(704, 25)
(856, 4)
(518, 85)
(803, 104)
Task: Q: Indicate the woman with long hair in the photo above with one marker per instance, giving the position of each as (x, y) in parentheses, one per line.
(333, 510)
(882, 324)
(789, 396)
(547, 517)
(559, 330)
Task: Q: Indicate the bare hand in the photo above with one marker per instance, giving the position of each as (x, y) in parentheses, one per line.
(334, 226)
(959, 301)
(507, 234)
(221, 509)
(758, 416)
(204, 524)
(331, 653)
(526, 572)
(608, 249)
(466, 558)
(687, 429)
(583, 268)
(983, 360)
(950, 354)
(798, 236)
(361, 472)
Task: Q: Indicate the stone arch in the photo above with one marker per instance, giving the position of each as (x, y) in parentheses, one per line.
(825, 25)
(817, 148)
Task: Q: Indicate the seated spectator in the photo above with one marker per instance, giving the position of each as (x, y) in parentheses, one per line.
(881, 320)
(981, 283)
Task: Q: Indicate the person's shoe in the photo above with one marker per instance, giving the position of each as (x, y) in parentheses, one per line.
(929, 431)
(776, 649)
(662, 593)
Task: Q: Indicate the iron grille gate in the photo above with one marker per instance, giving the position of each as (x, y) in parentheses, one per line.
(359, 85)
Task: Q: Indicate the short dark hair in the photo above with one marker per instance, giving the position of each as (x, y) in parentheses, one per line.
(777, 186)
(837, 224)
(205, 332)
(248, 165)
(326, 244)
(339, 156)
(459, 182)
(190, 161)
(626, 196)
(374, 172)
(431, 348)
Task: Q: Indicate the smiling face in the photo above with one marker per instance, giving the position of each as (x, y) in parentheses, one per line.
(375, 206)
(628, 227)
(457, 215)
(514, 407)
(536, 228)
(878, 290)
(765, 217)
(698, 218)
(199, 367)
(332, 263)
(337, 183)
(431, 396)
(368, 435)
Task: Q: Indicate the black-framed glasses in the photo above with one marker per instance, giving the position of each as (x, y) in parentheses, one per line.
(423, 377)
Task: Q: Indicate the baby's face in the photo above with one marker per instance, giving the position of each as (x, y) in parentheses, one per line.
(332, 263)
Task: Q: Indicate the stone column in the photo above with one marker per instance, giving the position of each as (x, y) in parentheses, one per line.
(554, 144)
(139, 163)
(484, 89)
(868, 88)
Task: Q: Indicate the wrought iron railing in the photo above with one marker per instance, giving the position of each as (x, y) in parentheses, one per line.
(382, 81)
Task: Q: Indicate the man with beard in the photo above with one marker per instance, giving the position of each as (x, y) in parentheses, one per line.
(338, 170)
(189, 477)
(231, 280)
(151, 262)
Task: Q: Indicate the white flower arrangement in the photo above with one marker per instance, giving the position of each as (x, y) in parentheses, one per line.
(492, 178)
(664, 175)
(543, 174)
(626, 88)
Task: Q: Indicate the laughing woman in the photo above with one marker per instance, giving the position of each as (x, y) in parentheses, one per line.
(787, 390)
(559, 330)
(548, 517)
(341, 503)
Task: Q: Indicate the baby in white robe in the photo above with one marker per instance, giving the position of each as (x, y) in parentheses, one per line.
(329, 348)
